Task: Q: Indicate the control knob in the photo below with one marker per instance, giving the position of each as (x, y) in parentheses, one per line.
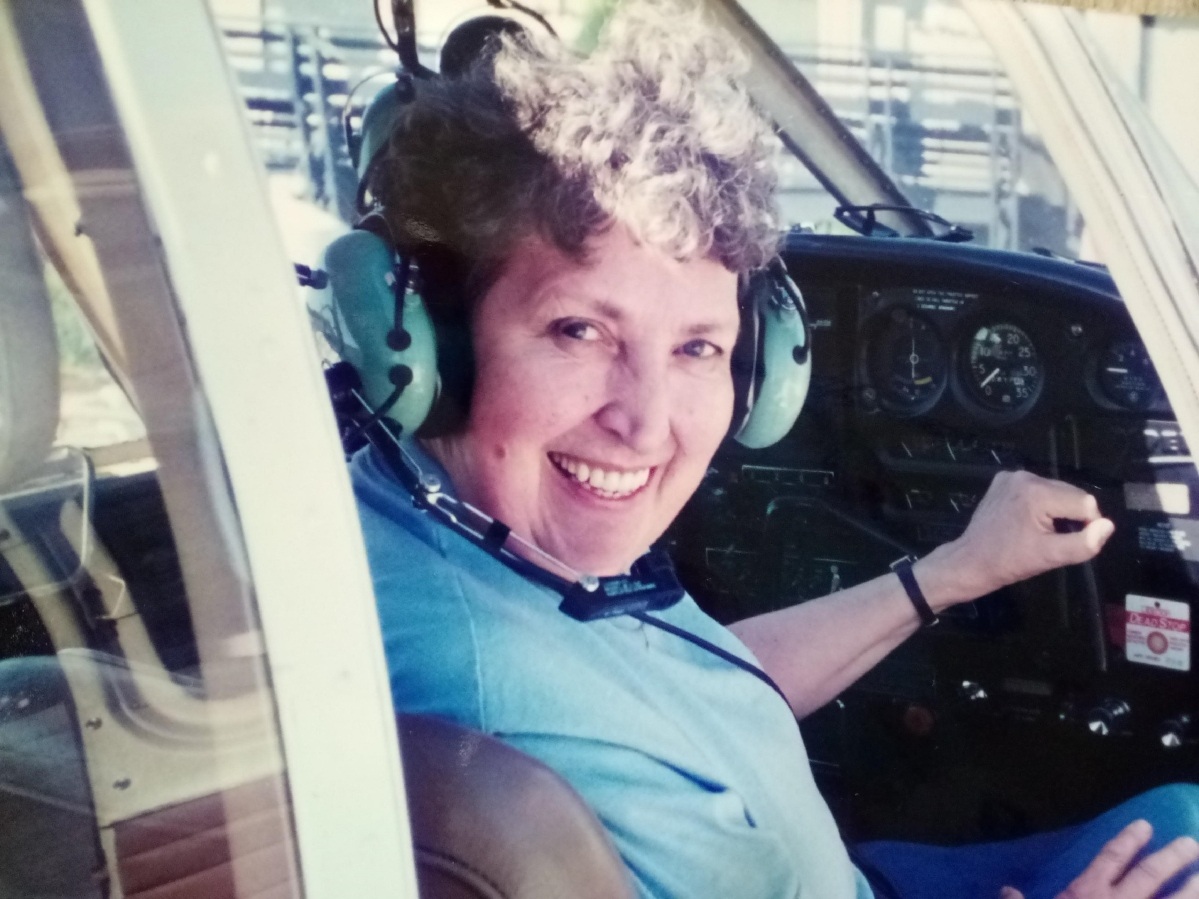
(1108, 717)
(1176, 731)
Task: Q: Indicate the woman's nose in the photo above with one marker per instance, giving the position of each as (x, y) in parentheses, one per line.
(638, 406)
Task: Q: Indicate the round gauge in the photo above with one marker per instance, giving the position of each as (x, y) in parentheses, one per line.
(1126, 374)
(1003, 372)
(907, 363)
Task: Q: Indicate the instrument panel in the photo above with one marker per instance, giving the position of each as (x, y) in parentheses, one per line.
(934, 367)
(993, 359)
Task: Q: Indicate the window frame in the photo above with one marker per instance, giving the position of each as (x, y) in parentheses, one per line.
(253, 352)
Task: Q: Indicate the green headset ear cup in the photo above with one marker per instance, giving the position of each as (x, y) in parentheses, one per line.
(378, 121)
(781, 368)
(359, 321)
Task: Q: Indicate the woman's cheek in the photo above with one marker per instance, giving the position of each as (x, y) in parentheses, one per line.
(709, 398)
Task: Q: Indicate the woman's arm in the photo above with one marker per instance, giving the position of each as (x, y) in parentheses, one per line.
(816, 649)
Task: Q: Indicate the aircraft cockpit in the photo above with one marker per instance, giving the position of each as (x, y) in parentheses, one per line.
(193, 695)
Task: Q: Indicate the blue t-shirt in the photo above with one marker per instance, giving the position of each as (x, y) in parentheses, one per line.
(696, 768)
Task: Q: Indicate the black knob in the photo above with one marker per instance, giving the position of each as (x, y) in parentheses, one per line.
(1108, 717)
(1176, 731)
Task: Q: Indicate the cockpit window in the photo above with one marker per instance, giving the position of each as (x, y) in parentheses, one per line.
(95, 412)
(920, 89)
(136, 716)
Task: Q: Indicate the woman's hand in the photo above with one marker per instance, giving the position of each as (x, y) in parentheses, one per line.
(1012, 536)
(1110, 877)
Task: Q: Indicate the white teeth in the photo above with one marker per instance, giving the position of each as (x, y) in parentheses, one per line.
(612, 484)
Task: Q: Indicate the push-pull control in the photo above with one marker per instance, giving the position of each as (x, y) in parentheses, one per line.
(1177, 731)
(1108, 717)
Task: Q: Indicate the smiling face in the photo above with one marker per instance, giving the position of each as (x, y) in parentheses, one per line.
(602, 391)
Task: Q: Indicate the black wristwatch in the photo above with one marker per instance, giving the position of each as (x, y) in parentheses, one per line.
(903, 569)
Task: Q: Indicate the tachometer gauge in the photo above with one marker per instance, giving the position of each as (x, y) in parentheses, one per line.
(1002, 371)
(1126, 375)
(907, 363)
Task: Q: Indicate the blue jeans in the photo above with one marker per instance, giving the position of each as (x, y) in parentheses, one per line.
(1040, 866)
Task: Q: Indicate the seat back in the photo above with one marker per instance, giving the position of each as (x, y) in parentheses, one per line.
(490, 822)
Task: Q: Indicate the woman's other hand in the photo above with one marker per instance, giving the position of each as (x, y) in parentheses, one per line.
(1110, 877)
(1012, 535)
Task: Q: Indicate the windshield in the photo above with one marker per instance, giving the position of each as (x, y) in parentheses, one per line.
(922, 89)
(915, 83)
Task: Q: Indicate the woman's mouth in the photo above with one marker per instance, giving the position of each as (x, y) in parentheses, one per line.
(605, 483)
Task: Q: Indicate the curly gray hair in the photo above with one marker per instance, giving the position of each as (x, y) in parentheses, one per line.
(652, 130)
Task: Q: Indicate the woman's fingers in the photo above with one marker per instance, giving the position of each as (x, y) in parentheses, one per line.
(1012, 534)
(1111, 875)
(1061, 500)
(1113, 859)
(1190, 889)
(1084, 545)
(1146, 877)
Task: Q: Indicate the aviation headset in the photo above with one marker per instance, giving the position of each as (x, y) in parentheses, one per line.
(412, 364)
(377, 319)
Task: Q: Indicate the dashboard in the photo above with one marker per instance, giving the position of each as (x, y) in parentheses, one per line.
(934, 367)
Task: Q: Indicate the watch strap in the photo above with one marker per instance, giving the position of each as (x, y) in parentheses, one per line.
(903, 569)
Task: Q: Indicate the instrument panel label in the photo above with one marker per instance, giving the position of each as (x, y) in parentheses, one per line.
(935, 300)
(1157, 632)
(1175, 536)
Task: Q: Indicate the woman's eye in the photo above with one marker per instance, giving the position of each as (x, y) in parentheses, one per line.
(700, 349)
(578, 330)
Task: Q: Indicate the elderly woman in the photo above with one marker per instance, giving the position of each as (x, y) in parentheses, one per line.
(580, 227)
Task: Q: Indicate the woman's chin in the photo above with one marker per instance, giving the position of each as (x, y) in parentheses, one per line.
(601, 561)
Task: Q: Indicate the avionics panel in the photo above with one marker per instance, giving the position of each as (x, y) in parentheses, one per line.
(934, 367)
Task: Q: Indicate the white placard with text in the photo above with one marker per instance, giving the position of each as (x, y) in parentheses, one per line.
(1157, 632)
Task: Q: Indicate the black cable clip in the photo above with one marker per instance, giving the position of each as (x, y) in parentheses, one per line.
(650, 585)
(316, 278)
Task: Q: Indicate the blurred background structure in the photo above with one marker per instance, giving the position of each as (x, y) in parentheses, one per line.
(912, 79)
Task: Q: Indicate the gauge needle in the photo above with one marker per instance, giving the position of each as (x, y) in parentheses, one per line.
(1118, 371)
(989, 378)
(913, 358)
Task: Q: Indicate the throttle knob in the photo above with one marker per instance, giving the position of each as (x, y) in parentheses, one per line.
(1108, 717)
(1176, 731)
